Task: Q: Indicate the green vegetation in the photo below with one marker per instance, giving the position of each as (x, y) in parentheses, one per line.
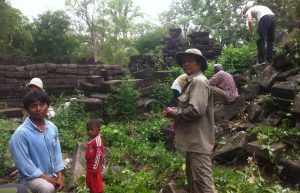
(268, 135)
(238, 58)
(123, 101)
(162, 92)
(6, 162)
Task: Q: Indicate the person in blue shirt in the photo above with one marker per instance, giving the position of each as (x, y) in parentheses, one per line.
(35, 147)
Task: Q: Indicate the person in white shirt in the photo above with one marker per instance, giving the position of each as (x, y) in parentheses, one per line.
(266, 30)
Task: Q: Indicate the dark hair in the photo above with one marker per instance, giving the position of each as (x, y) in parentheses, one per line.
(93, 122)
(34, 96)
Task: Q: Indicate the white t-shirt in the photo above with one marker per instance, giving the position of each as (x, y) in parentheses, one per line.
(258, 11)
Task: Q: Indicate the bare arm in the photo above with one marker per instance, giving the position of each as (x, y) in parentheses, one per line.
(250, 23)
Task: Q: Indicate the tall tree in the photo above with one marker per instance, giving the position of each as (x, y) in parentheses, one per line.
(90, 21)
(52, 36)
(15, 33)
(122, 16)
(180, 14)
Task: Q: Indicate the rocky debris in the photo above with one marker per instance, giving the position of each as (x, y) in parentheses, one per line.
(232, 149)
(240, 80)
(162, 75)
(78, 165)
(229, 111)
(221, 129)
(291, 169)
(255, 113)
(267, 77)
(274, 119)
(250, 91)
(102, 97)
(110, 85)
(257, 69)
(91, 104)
(284, 90)
(280, 62)
(255, 148)
(141, 62)
(172, 188)
(296, 105)
(11, 113)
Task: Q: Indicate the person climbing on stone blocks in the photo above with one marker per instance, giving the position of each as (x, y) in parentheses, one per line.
(94, 156)
(266, 30)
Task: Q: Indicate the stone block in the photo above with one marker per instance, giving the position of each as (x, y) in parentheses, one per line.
(147, 73)
(255, 113)
(95, 79)
(20, 74)
(11, 68)
(291, 170)
(9, 74)
(90, 88)
(108, 86)
(31, 67)
(91, 104)
(233, 147)
(285, 90)
(12, 113)
(78, 165)
(296, 105)
(51, 67)
(162, 75)
(146, 91)
(73, 66)
(41, 67)
(240, 80)
(250, 91)
(258, 150)
(267, 77)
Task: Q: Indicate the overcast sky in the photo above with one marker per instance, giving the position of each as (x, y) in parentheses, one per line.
(31, 8)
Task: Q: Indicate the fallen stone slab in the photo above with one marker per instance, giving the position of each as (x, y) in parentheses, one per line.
(233, 148)
(267, 78)
(255, 113)
(291, 170)
(102, 97)
(285, 90)
(257, 149)
(12, 113)
(296, 105)
(91, 104)
(250, 91)
(240, 80)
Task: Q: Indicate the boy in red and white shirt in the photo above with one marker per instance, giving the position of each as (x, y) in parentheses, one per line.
(94, 155)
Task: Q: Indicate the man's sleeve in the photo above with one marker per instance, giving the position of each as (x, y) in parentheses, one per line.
(59, 164)
(214, 80)
(19, 149)
(197, 105)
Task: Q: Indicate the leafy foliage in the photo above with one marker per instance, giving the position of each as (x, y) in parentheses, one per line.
(5, 157)
(123, 101)
(52, 37)
(238, 58)
(70, 121)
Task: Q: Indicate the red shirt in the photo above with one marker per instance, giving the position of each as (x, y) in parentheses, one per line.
(94, 154)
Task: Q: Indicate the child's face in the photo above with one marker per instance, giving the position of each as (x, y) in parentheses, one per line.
(93, 131)
(38, 110)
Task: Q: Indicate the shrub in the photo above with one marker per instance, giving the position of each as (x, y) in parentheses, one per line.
(123, 101)
(70, 120)
(158, 58)
(5, 157)
(162, 91)
(238, 58)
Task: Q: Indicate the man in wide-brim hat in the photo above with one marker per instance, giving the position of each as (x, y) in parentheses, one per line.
(195, 133)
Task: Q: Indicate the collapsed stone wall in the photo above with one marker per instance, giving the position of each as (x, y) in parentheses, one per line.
(175, 42)
(57, 78)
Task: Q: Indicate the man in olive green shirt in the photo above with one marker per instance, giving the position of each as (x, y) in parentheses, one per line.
(195, 133)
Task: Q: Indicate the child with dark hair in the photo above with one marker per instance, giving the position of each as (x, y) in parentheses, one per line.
(36, 149)
(94, 155)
